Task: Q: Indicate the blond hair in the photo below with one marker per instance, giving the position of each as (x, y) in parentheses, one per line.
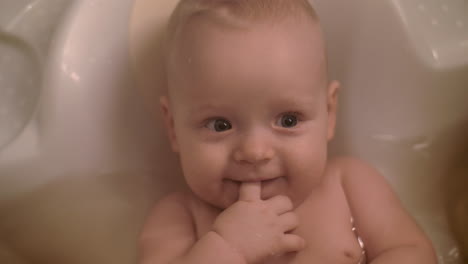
(236, 13)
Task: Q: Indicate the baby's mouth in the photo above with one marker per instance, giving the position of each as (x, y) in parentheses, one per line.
(269, 181)
(269, 187)
(263, 182)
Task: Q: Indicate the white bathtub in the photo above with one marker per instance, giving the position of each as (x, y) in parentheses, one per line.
(76, 183)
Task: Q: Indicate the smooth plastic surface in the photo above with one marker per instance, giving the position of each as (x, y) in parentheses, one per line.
(93, 158)
(19, 85)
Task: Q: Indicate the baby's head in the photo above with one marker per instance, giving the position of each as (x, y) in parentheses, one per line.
(248, 97)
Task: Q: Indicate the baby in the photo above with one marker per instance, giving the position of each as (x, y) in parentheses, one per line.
(250, 110)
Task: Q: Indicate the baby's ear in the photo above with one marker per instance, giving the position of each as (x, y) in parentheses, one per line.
(169, 122)
(332, 107)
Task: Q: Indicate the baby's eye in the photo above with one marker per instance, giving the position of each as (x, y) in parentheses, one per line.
(219, 125)
(288, 120)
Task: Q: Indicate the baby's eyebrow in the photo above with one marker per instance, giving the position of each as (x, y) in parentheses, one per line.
(199, 110)
(205, 108)
(298, 101)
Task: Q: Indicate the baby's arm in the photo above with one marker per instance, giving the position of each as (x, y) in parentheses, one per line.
(169, 238)
(388, 231)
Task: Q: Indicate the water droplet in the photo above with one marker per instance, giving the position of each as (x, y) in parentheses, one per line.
(454, 252)
(75, 77)
(435, 54)
(421, 146)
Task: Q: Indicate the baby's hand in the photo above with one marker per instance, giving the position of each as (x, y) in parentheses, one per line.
(257, 228)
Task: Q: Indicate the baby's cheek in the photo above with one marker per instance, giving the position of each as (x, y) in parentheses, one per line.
(204, 170)
(204, 162)
(212, 155)
(306, 163)
(307, 151)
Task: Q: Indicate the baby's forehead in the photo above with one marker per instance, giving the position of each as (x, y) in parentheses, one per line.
(193, 20)
(206, 29)
(291, 47)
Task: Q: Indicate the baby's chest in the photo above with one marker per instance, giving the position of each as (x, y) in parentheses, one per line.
(324, 247)
(325, 224)
(327, 228)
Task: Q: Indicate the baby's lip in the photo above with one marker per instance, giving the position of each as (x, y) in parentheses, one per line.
(257, 179)
(270, 180)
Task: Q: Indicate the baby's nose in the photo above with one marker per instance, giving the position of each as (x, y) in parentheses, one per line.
(254, 151)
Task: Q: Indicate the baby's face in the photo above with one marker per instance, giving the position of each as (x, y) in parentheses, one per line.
(250, 105)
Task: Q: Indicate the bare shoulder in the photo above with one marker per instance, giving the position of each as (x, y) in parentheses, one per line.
(360, 181)
(168, 232)
(345, 167)
(168, 206)
(380, 217)
(340, 171)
